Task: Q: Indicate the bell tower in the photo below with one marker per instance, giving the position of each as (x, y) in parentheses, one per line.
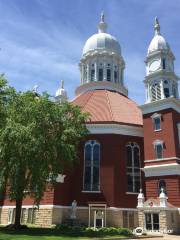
(161, 80)
(161, 121)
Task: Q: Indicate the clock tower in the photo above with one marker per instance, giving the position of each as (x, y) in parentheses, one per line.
(160, 80)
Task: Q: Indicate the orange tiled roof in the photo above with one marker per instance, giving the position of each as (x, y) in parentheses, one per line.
(107, 106)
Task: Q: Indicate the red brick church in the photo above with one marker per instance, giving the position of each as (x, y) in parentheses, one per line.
(129, 169)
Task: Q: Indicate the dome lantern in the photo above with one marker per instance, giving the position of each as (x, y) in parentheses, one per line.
(102, 65)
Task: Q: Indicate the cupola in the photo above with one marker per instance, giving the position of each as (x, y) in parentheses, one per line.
(160, 80)
(102, 65)
(61, 94)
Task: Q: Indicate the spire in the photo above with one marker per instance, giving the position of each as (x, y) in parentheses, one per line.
(156, 26)
(61, 94)
(102, 24)
(62, 84)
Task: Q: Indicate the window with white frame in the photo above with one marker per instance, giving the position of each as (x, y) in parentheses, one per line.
(91, 166)
(133, 167)
(156, 118)
(158, 147)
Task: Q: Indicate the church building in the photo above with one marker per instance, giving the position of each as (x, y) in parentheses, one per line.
(129, 169)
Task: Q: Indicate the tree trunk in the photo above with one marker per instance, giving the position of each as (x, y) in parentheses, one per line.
(18, 213)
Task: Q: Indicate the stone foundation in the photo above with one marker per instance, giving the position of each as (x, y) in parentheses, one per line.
(47, 216)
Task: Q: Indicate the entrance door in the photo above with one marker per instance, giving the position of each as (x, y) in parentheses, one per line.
(152, 221)
(98, 218)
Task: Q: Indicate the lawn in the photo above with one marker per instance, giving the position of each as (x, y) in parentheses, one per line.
(43, 234)
(5, 236)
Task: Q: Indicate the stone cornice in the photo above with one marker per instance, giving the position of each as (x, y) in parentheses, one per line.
(115, 129)
(101, 85)
(161, 105)
(162, 159)
(161, 74)
(162, 170)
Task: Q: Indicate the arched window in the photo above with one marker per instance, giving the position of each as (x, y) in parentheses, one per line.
(100, 74)
(161, 184)
(156, 92)
(91, 166)
(174, 90)
(158, 147)
(133, 167)
(92, 75)
(115, 76)
(164, 63)
(166, 89)
(109, 74)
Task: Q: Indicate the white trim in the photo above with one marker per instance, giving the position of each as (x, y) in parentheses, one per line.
(42, 206)
(69, 207)
(162, 104)
(162, 170)
(91, 191)
(115, 129)
(122, 209)
(132, 193)
(156, 115)
(162, 159)
(158, 142)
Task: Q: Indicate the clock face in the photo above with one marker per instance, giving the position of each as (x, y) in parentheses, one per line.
(154, 65)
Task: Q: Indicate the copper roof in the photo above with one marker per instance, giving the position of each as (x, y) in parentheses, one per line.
(106, 106)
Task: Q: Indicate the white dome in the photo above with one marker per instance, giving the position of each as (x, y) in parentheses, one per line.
(102, 41)
(158, 43)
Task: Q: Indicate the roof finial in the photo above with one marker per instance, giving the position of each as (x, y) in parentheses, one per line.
(102, 24)
(102, 16)
(62, 84)
(156, 26)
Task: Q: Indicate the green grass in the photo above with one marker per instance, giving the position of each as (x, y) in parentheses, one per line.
(42, 234)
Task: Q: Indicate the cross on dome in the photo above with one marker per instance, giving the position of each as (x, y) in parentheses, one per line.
(156, 26)
(62, 84)
(102, 25)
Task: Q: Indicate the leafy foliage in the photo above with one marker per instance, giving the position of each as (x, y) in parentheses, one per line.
(91, 232)
(39, 138)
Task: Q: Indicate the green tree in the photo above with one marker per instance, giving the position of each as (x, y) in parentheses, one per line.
(38, 140)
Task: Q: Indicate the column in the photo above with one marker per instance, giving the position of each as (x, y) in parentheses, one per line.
(162, 89)
(82, 74)
(96, 70)
(104, 72)
(88, 79)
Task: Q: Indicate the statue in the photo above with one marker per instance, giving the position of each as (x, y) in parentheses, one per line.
(73, 210)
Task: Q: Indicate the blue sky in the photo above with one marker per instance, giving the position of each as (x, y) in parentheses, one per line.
(41, 41)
